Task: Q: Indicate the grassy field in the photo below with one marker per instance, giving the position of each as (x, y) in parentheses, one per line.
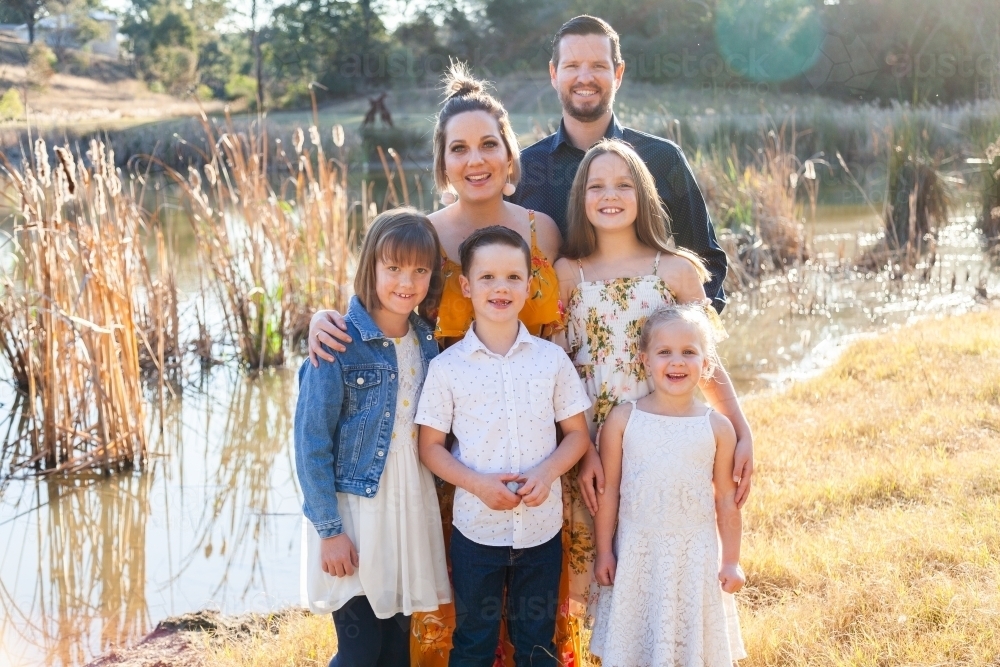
(872, 534)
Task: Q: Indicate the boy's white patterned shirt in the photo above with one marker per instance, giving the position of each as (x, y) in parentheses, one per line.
(503, 411)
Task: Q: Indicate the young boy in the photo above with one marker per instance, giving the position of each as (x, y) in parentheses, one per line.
(501, 392)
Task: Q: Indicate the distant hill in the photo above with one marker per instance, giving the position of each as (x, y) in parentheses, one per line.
(87, 90)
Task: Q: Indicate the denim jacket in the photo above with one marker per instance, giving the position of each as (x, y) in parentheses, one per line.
(344, 417)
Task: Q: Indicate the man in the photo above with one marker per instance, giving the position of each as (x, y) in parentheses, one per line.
(586, 70)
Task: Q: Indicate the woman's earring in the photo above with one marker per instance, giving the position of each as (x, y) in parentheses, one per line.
(508, 189)
(448, 197)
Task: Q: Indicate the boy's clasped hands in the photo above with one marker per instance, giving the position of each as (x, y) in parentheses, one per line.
(505, 491)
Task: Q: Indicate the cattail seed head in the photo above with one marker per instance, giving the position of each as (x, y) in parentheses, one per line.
(68, 167)
(42, 162)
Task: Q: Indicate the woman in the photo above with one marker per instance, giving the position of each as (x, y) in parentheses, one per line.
(476, 163)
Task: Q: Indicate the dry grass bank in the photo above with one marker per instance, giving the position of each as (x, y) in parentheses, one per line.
(873, 535)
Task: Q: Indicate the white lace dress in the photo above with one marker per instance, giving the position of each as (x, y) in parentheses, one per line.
(667, 607)
(398, 535)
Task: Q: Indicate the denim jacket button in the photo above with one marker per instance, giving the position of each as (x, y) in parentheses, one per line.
(368, 490)
(387, 414)
(392, 376)
(381, 454)
(361, 380)
(385, 344)
(430, 337)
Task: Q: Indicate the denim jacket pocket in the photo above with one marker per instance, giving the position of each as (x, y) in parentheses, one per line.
(362, 388)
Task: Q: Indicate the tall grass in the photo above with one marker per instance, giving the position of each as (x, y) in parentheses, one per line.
(757, 204)
(81, 312)
(278, 253)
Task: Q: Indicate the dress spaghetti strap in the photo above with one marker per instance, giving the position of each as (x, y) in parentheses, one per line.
(579, 265)
(656, 262)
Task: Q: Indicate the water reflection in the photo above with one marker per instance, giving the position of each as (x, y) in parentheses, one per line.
(792, 325)
(88, 571)
(212, 521)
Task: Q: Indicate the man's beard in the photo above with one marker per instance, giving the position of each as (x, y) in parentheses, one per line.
(603, 106)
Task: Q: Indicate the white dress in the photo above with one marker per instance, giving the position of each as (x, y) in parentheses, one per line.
(667, 607)
(398, 536)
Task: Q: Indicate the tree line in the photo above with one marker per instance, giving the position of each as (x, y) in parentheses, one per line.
(908, 50)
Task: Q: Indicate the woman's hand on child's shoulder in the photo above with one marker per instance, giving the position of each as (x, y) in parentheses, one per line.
(327, 327)
(732, 578)
(605, 567)
(338, 555)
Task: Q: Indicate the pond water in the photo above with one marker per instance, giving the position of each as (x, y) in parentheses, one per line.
(214, 521)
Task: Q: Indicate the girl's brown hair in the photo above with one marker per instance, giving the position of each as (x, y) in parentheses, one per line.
(652, 226)
(463, 92)
(402, 235)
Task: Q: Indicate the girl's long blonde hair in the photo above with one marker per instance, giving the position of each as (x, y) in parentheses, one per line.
(652, 226)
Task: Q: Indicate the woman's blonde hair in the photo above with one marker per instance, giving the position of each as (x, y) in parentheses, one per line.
(463, 92)
(692, 314)
(403, 235)
(652, 226)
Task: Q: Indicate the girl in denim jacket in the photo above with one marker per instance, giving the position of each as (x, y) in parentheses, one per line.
(373, 551)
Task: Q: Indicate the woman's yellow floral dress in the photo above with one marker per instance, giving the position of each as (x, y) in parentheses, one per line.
(603, 321)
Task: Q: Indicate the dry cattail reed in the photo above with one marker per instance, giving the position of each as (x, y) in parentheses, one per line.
(278, 253)
(76, 308)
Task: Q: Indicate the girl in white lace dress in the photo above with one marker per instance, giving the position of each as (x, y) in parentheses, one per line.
(666, 596)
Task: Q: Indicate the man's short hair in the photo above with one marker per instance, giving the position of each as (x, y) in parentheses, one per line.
(492, 235)
(588, 25)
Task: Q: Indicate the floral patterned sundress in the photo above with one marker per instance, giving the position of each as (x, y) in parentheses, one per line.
(603, 321)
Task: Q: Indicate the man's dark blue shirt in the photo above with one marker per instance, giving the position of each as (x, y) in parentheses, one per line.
(549, 166)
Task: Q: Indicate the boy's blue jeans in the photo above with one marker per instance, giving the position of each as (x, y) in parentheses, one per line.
(490, 581)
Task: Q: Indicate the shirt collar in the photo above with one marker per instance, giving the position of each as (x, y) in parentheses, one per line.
(614, 131)
(471, 343)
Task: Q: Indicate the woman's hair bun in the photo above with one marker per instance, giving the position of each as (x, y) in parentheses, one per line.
(459, 82)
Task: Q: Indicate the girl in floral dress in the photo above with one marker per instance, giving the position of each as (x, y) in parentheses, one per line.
(617, 268)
